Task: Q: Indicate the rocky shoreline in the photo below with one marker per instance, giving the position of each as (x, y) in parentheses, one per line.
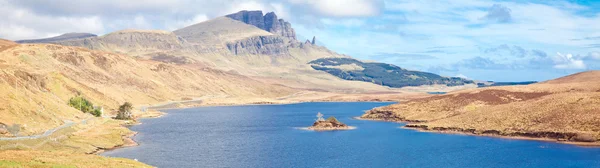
(558, 137)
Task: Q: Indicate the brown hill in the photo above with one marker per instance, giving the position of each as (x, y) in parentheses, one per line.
(5, 44)
(565, 109)
(582, 77)
(38, 79)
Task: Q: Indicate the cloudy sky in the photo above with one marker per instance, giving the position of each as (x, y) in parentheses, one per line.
(486, 40)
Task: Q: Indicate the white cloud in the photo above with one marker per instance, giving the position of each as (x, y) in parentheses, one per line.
(344, 8)
(567, 62)
(593, 56)
(19, 23)
(461, 76)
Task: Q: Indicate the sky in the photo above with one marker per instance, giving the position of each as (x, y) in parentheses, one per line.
(484, 40)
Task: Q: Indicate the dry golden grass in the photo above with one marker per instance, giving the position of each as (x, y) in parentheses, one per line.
(37, 80)
(54, 159)
(566, 109)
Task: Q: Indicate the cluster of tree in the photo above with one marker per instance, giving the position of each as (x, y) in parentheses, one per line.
(384, 74)
(84, 105)
(125, 112)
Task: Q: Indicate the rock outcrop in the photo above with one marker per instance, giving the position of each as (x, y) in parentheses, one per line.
(254, 18)
(266, 45)
(67, 36)
(268, 22)
(330, 124)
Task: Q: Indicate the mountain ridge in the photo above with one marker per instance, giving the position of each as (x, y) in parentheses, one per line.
(63, 37)
(260, 46)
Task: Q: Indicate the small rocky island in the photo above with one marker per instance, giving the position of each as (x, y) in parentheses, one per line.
(329, 124)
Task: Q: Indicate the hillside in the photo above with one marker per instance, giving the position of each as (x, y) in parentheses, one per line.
(382, 74)
(38, 79)
(63, 37)
(565, 109)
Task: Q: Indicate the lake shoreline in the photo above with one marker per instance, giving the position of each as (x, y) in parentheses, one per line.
(130, 142)
(420, 129)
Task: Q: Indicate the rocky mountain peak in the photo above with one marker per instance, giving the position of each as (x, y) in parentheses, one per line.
(269, 22)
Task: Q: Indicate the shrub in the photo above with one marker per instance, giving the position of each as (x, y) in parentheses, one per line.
(125, 111)
(84, 105)
(332, 119)
(97, 112)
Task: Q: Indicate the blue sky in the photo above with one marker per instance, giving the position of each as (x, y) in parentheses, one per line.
(486, 40)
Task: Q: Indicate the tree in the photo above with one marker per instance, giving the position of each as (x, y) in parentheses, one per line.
(84, 105)
(320, 117)
(125, 111)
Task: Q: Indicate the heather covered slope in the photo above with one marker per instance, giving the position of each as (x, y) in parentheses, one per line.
(565, 109)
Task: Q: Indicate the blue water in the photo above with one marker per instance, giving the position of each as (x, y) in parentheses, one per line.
(266, 136)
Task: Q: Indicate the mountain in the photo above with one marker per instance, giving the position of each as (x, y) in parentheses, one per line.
(262, 47)
(63, 37)
(381, 73)
(269, 22)
(564, 109)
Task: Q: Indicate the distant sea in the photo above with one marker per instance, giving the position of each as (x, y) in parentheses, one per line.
(267, 136)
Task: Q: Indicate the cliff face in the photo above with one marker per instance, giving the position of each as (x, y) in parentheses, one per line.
(266, 45)
(254, 18)
(268, 22)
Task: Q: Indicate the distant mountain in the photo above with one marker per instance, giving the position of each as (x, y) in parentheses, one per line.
(64, 37)
(382, 74)
(264, 47)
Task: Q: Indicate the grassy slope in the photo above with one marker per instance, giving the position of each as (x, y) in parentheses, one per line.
(566, 109)
(55, 159)
(36, 81)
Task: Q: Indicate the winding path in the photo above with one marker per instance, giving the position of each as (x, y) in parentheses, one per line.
(48, 132)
